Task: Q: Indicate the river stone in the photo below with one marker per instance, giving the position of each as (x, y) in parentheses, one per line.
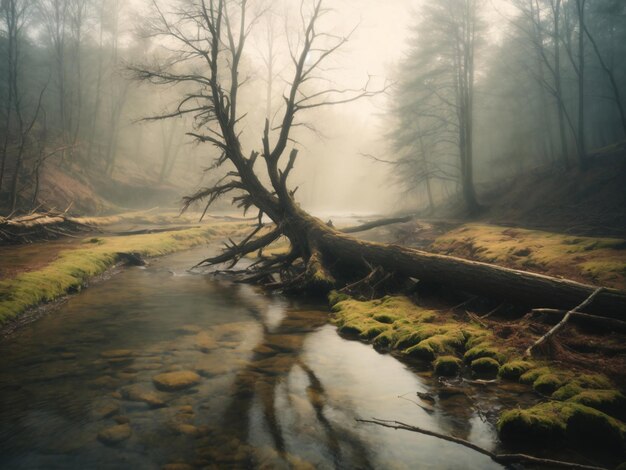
(122, 419)
(205, 342)
(185, 428)
(116, 353)
(212, 367)
(188, 329)
(177, 466)
(141, 394)
(173, 381)
(115, 434)
(105, 409)
(106, 381)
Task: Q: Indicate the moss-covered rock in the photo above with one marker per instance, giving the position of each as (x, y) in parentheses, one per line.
(335, 297)
(530, 376)
(485, 366)
(437, 345)
(484, 350)
(556, 420)
(513, 370)
(610, 402)
(448, 366)
(533, 424)
(546, 384)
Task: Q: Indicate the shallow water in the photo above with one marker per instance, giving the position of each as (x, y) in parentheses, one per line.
(276, 386)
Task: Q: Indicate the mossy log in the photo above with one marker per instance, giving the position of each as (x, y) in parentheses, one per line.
(521, 287)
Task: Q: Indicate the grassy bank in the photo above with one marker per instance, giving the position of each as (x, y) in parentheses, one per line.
(587, 259)
(91, 257)
(574, 405)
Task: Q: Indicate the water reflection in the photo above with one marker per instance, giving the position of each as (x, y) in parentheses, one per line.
(269, 385)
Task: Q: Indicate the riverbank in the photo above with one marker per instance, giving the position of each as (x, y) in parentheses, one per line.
(53, 270)
(576, 385)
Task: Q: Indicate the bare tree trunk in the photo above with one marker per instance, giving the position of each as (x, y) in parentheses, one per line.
(556, 12)
(10, 18)
(611, 77)
(580, 6)
(96, 108)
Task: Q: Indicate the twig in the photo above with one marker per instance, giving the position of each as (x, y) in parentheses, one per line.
(563, 321)
(492, 312)
(500, 458)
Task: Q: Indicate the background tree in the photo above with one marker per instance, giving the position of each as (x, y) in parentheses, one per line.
(434, 100)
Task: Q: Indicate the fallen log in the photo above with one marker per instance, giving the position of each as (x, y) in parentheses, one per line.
(511, 285)
(38, 226)
(582, 318)
(376, 223)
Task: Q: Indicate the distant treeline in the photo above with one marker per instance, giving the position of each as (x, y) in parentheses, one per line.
(471, 107)
(65, 97)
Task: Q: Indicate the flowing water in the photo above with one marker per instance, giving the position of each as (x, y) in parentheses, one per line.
(276, 387)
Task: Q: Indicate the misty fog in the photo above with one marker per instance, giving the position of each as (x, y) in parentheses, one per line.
(80, 114)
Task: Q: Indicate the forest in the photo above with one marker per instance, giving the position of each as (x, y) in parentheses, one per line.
(313, 234)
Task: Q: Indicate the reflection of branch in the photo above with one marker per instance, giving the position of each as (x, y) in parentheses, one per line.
(500, 458)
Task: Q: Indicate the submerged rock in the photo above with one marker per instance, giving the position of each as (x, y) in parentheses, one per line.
(105, 409)
(188, 329)
(116, 353)
(115, 434)
(106, 381)
(177, 466)
(141, 394)
(174, 381)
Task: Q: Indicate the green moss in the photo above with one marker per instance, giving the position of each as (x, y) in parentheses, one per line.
(447, 365)
(372, 331)
(386, 339)
(411, 335)
(446, 343)
(335, 297)
(554, 420)
(541, 422)
(611, 402)
(486, 366)
(484, 350)
(514, 369)
(601, 259)
(385, 318)
(71, 270)
(567, 391)
(593, 381)
(546, 384)
(533, 374)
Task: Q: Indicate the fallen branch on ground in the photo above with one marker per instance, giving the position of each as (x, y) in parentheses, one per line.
(563, 321)
(39, 226)
(499, 458)
(584, 319)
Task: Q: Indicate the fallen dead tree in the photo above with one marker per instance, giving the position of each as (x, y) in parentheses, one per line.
(320, 258)
(39, 226)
